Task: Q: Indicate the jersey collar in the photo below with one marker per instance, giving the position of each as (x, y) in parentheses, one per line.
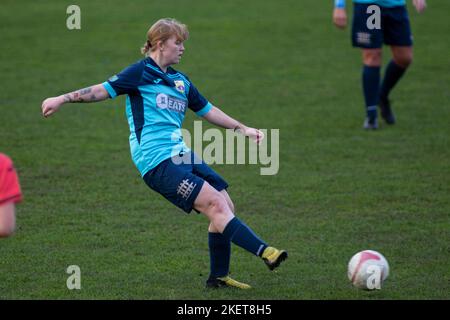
(156, 71)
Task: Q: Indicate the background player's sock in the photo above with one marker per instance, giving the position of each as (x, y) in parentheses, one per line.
(241, 235)
(392, 74)
(219, 254)
(371, 87)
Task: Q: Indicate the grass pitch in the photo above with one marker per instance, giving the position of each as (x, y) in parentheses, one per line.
(270, 64)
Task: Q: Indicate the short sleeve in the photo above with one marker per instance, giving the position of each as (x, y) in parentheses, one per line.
(9, 182)
(197, 102)
(125, 82)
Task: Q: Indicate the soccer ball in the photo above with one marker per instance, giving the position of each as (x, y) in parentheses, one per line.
(368, 269)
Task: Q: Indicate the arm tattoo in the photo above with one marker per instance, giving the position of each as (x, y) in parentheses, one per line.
(81, 95)
(85, 90)
(67, 98)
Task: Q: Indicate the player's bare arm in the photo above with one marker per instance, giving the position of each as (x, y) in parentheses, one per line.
(339, 14)
(221, 119)
(90, 94)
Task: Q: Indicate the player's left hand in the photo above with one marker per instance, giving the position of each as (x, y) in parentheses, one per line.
(254, 134)
(420, 5)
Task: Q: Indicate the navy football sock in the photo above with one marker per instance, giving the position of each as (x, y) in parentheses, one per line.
(371, 87)
(241, 235)
(219, 254)
(392, 74)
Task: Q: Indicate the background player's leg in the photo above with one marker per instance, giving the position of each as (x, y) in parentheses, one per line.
(371, 84)
(7, 219)
(402, 57)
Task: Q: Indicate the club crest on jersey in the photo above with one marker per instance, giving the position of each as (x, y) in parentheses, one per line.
(179, 85)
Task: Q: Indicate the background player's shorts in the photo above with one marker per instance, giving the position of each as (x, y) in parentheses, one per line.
(9, 182)
(179, 179)
(395, 29)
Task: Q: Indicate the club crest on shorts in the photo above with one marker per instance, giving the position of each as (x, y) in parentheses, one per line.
(179, 85)
(185, 188)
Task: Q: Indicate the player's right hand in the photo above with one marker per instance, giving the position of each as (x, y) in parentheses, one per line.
(340, 17)
(51, 105)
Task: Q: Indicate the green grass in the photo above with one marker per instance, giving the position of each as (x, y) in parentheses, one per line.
(271, 64)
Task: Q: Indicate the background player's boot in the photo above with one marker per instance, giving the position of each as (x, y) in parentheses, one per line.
(386, 111)
(273, 257)
(225, 281)
(370, 124)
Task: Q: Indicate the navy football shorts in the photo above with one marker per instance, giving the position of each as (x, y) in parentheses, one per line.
(179, 179)
(395, 29)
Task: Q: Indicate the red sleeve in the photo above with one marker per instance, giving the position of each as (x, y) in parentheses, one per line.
(9, 183)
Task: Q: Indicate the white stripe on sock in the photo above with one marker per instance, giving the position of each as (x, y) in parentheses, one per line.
(259, 250)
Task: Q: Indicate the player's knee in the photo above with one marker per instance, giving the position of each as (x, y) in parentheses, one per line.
(372, 58)
(404, 61)
(6, 231)
(217, 204)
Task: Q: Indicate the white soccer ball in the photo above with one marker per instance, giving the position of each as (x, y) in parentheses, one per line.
(368, 269)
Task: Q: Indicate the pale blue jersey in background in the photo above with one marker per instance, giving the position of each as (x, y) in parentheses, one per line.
(381, 3)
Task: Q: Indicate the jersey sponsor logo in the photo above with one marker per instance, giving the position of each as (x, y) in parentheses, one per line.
(157, 81)
(185, 188)
(179, 85)
(164, 101)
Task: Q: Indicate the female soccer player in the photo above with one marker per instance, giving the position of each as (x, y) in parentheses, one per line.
(157, 99)
(10, 194)
(394, 30)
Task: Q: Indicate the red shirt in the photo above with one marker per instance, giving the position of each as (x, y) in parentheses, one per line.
(9, 183)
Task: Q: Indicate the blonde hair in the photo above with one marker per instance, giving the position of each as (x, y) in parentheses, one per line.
(162, 30)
